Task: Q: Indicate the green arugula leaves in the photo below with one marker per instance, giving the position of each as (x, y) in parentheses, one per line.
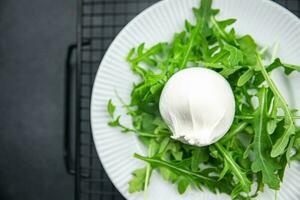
(259, 144)
(244, 183)
(136, 184)
(262, 145)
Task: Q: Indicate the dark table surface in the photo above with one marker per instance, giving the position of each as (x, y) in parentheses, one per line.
(34, 36)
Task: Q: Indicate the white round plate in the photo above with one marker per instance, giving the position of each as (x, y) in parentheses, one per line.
(266, 21)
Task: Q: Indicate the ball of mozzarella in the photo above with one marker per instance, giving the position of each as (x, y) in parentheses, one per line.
(198, 106)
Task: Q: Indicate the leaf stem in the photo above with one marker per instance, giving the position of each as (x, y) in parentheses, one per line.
(191, 43)
(250, 117)
(275, 91)
(148, 174)
(173, 167)
(138, 133)
(234, 131)
(235, 168)
(214, 22)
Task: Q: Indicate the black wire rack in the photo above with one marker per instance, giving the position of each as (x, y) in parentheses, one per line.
(98, 22)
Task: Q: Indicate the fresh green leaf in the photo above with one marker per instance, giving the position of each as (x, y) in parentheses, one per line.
(235, 168)
(163, 145)
(130, 54)
(136, 184)
(245, 77)
(111, 108)
(213, 65)
(289, 153)
(247, 151)
(225, 169)
(249, 49)
(235, 55)
(161, 163)
(144, 56)
(288, 68)
(271, 126)
(199, 155)
(115, 123)
(227, 22)
(281, 144)
(191, 44)
(261, 145)
(235, 129)
(279, 147)
(168, 175)
(183, 184)
(226, 72)
(153, 148)
(177, 155)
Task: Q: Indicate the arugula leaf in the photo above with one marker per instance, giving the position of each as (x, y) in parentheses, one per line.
(163, 145)
(289, 153)
(244, 182)
(296, 147)
(245, 77)
(183, 184)
(262, 145)
(136, 184)
(111, 108)
(226, 72)
(188, 48)
(235, 55)
(205, 9)
(115, 123)
(249, 49)
(168, 175)
(288, 68)
(199, 155)
(235, 129)
(225, 169)
(144, 56)
(155, 162)
(281, 144)
(220, 31)
(271, 126)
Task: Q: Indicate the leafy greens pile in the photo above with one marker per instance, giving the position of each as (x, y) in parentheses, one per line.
(259, 145)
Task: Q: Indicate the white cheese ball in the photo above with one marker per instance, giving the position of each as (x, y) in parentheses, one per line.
(198, 106)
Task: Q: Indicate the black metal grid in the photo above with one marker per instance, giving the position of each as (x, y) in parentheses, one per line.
(98, 23)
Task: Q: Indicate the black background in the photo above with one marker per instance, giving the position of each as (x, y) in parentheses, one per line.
(34, 35)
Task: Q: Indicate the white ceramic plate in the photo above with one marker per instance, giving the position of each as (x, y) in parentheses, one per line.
(266, 21)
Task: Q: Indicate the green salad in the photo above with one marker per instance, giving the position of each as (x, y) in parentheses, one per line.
(263, 138)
